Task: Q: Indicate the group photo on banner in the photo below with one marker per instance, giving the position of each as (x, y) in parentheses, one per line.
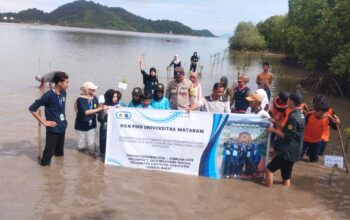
(196, 143)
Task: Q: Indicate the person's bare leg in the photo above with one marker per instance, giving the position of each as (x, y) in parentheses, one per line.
(286, 182)
(268, 178)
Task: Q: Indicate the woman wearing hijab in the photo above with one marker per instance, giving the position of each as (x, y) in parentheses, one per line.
(111, 99)
(197, 88)
(175, 63)
(87, 107)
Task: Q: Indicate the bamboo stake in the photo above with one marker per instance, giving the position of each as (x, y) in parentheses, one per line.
(342, 148)
(39, 138)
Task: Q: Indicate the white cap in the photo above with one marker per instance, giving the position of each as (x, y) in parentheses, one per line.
(88, 85)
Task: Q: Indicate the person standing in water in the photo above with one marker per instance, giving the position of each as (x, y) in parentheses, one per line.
(197, 88)
(264, 79)
(194, 61)
(150, 80)
(111, 99)
(87, 107)
(175, 63)
(55, 120)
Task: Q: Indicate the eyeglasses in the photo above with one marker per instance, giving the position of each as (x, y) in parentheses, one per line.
(240, 81)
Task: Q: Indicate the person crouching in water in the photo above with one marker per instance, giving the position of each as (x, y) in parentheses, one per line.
(136, 101)
(87, 107)
(316, 124)
(159, 101)
(288, 142)
(111, 99)
(146, 100)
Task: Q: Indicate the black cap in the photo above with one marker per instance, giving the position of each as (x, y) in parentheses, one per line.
(146, 95)
(296, 97)
(160, 87)
(137, 91)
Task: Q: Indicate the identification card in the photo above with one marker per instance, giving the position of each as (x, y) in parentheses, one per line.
(90, 123)
(62, 117)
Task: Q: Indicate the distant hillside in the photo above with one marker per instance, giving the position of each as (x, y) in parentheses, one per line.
(92, 15)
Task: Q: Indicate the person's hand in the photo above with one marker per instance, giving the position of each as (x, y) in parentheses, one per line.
(272, 120)
(49, 123)
(271, 129)
(336, 119)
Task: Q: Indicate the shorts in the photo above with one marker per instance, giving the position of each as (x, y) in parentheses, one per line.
(285, 166)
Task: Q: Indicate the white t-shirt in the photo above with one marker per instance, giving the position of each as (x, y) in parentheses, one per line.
(262, 113)
(265, 101)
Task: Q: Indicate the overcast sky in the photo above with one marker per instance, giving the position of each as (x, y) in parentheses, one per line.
(218, 16)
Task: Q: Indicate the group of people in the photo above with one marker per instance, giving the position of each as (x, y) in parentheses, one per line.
(296, 129)
(241, 158)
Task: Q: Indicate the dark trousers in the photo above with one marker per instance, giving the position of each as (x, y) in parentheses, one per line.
(312, 150)
(54, 146)
(268, 92)
(193, 67)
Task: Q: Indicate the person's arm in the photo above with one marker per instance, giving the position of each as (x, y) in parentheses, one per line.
(94, 111)
(34, 111)
(278, 132)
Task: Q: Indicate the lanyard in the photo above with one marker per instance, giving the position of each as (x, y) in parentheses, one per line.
(90, 105)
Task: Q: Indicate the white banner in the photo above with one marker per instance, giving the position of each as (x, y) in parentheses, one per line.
(196, 143)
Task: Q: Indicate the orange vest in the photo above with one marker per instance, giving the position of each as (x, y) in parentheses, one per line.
(277, 110)
(315, 128)
(284, 121)
(327, 133)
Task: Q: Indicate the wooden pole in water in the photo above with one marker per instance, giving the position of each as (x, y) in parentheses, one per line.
(342, 148)
(39, 138)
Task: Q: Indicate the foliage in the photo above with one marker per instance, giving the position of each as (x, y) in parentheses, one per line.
(247, 37)
(274, 31)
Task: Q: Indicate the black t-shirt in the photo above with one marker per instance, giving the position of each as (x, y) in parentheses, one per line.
(149, 81)
(289, 147)
(85, 122)
(54, 110)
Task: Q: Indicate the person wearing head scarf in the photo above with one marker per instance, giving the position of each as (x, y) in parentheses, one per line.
(227, 93)
(175, 63)
(197, 88)
(111, 99)
(194, 60)
(150, 80)
(87, 107)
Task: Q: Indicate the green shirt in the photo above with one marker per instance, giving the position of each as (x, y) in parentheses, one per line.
(290, 146)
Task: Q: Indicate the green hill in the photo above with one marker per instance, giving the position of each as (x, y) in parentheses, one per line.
(92, 15)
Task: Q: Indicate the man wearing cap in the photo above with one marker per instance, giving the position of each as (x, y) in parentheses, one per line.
(255, 100)
(87, 107)
(48, 77)
(217, 102)
(158, 100)
(180, 92)
(136, 101)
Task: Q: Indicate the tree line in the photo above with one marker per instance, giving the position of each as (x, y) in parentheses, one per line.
(92, 15)
(316, 32)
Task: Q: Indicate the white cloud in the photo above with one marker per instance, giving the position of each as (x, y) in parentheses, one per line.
(218, 16)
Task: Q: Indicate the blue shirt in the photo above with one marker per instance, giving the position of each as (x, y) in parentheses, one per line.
(133, 106)
(121, 103)
(85, 122)
(161, 104)
(54, 107)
